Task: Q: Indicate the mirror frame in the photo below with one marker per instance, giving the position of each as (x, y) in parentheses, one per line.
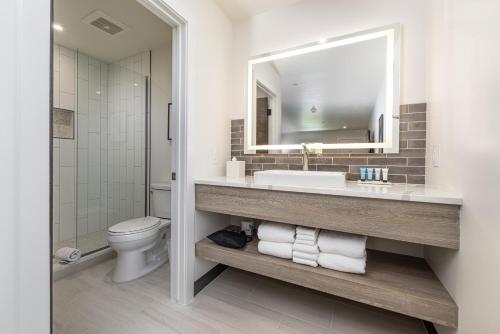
(391, 144)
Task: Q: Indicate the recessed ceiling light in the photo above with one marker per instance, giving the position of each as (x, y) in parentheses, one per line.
(98, 92)
(322, 40)
(57, 27)
(136, 84)
(345, 127)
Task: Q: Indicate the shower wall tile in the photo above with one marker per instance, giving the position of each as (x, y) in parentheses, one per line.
(67, 226)
(126, 145)
(63, 177)
(83, 130)
(83, 65)
(81, 226)
(67, 153)
(55, 166)
(82, 201)
(67, 185)
(83, 163)
(94, 214)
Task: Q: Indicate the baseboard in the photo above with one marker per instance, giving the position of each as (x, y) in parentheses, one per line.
(62, 270)
(204, 280)
(429, 327)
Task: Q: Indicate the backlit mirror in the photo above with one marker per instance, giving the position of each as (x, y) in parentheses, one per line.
(338, 93)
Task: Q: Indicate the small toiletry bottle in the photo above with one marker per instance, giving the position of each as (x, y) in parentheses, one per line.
(385, 174)
(377, 174)
(362, 174)
(370, 174)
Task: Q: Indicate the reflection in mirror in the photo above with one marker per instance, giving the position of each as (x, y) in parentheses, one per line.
(340, 94)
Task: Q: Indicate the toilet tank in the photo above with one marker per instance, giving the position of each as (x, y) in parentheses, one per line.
(161, 200)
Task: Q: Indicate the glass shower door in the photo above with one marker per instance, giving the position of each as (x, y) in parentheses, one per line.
(111, 146)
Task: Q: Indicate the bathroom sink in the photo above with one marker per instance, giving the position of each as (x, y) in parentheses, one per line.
(300, 178)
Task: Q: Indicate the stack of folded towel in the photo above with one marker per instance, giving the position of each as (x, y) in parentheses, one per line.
(342, 251)
(305, 247)
(276, 239)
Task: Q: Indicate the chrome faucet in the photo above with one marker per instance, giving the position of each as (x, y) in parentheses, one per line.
(305, 157)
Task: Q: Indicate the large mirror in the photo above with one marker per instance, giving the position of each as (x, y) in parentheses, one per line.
(339, 93)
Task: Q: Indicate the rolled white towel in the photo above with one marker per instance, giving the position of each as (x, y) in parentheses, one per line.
(306, 248)
(68, 254)
(305, 242)
(342, 263)
(306, 237)
(346, 244)
(312, 232)
(276, 232)
(278, 249)
(306, 262)
(305, 256)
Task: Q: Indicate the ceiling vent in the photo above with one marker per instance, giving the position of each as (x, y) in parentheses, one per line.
(104, 23)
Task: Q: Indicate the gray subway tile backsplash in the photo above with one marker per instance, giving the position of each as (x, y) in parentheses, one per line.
(407, 166)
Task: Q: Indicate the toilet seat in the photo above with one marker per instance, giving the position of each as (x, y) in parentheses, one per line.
(134, 226)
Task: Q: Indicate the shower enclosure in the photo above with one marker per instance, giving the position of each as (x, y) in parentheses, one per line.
(100, 164)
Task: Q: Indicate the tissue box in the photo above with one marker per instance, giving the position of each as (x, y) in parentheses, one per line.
(235, 169)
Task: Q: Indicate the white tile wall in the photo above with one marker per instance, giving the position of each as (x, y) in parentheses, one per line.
(99, 178)
(64, 153)
(126, 138)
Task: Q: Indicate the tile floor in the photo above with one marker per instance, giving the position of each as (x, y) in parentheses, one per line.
(236, 302)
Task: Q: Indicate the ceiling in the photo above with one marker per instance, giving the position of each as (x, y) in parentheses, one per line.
(241, 9)
(342, 83)
(146, 31)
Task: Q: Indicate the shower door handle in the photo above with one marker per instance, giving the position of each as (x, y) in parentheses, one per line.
(168, 121)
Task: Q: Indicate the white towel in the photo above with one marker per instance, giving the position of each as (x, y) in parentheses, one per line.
(278, 249)
(306, 237)
(68, 254)
(276, 232)
(305, 242)
(305, 256)
(342, 263)
(306, 248)
(346, 244)
(306, 262)
(312, 232)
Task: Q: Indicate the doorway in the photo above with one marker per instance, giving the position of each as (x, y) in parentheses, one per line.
(127, 153)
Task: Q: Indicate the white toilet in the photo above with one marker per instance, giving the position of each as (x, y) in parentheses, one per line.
(142, 244)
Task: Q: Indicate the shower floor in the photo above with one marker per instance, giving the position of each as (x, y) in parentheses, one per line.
(85, 243)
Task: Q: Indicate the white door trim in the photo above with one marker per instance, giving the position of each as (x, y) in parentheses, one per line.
(181, 272)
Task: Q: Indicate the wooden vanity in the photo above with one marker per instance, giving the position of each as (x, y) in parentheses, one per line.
(408, 213)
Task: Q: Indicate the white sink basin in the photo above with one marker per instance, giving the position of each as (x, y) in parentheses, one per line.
(300, 178)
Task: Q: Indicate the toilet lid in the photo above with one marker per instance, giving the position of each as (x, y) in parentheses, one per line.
(135, 225)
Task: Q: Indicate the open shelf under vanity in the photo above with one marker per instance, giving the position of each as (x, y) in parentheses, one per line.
(397, 283)
(394, 282)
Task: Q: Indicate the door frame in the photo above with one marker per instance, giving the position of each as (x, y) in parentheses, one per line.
(180, 273)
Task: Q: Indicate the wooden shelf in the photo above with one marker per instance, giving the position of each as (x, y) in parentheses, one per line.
(397, 283)
(422, 223)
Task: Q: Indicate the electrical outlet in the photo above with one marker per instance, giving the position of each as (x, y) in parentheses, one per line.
(435, 155)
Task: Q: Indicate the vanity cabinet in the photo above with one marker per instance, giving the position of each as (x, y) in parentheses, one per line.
(394, 282)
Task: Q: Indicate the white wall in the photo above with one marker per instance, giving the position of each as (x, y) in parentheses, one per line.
(308, 21)
(127, 138)
(92, 147)
(463, 118)
(161, 95)
(24, 172)
(64, 150)
(209, 92)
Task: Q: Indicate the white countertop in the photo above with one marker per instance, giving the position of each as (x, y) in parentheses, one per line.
(398, 192)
